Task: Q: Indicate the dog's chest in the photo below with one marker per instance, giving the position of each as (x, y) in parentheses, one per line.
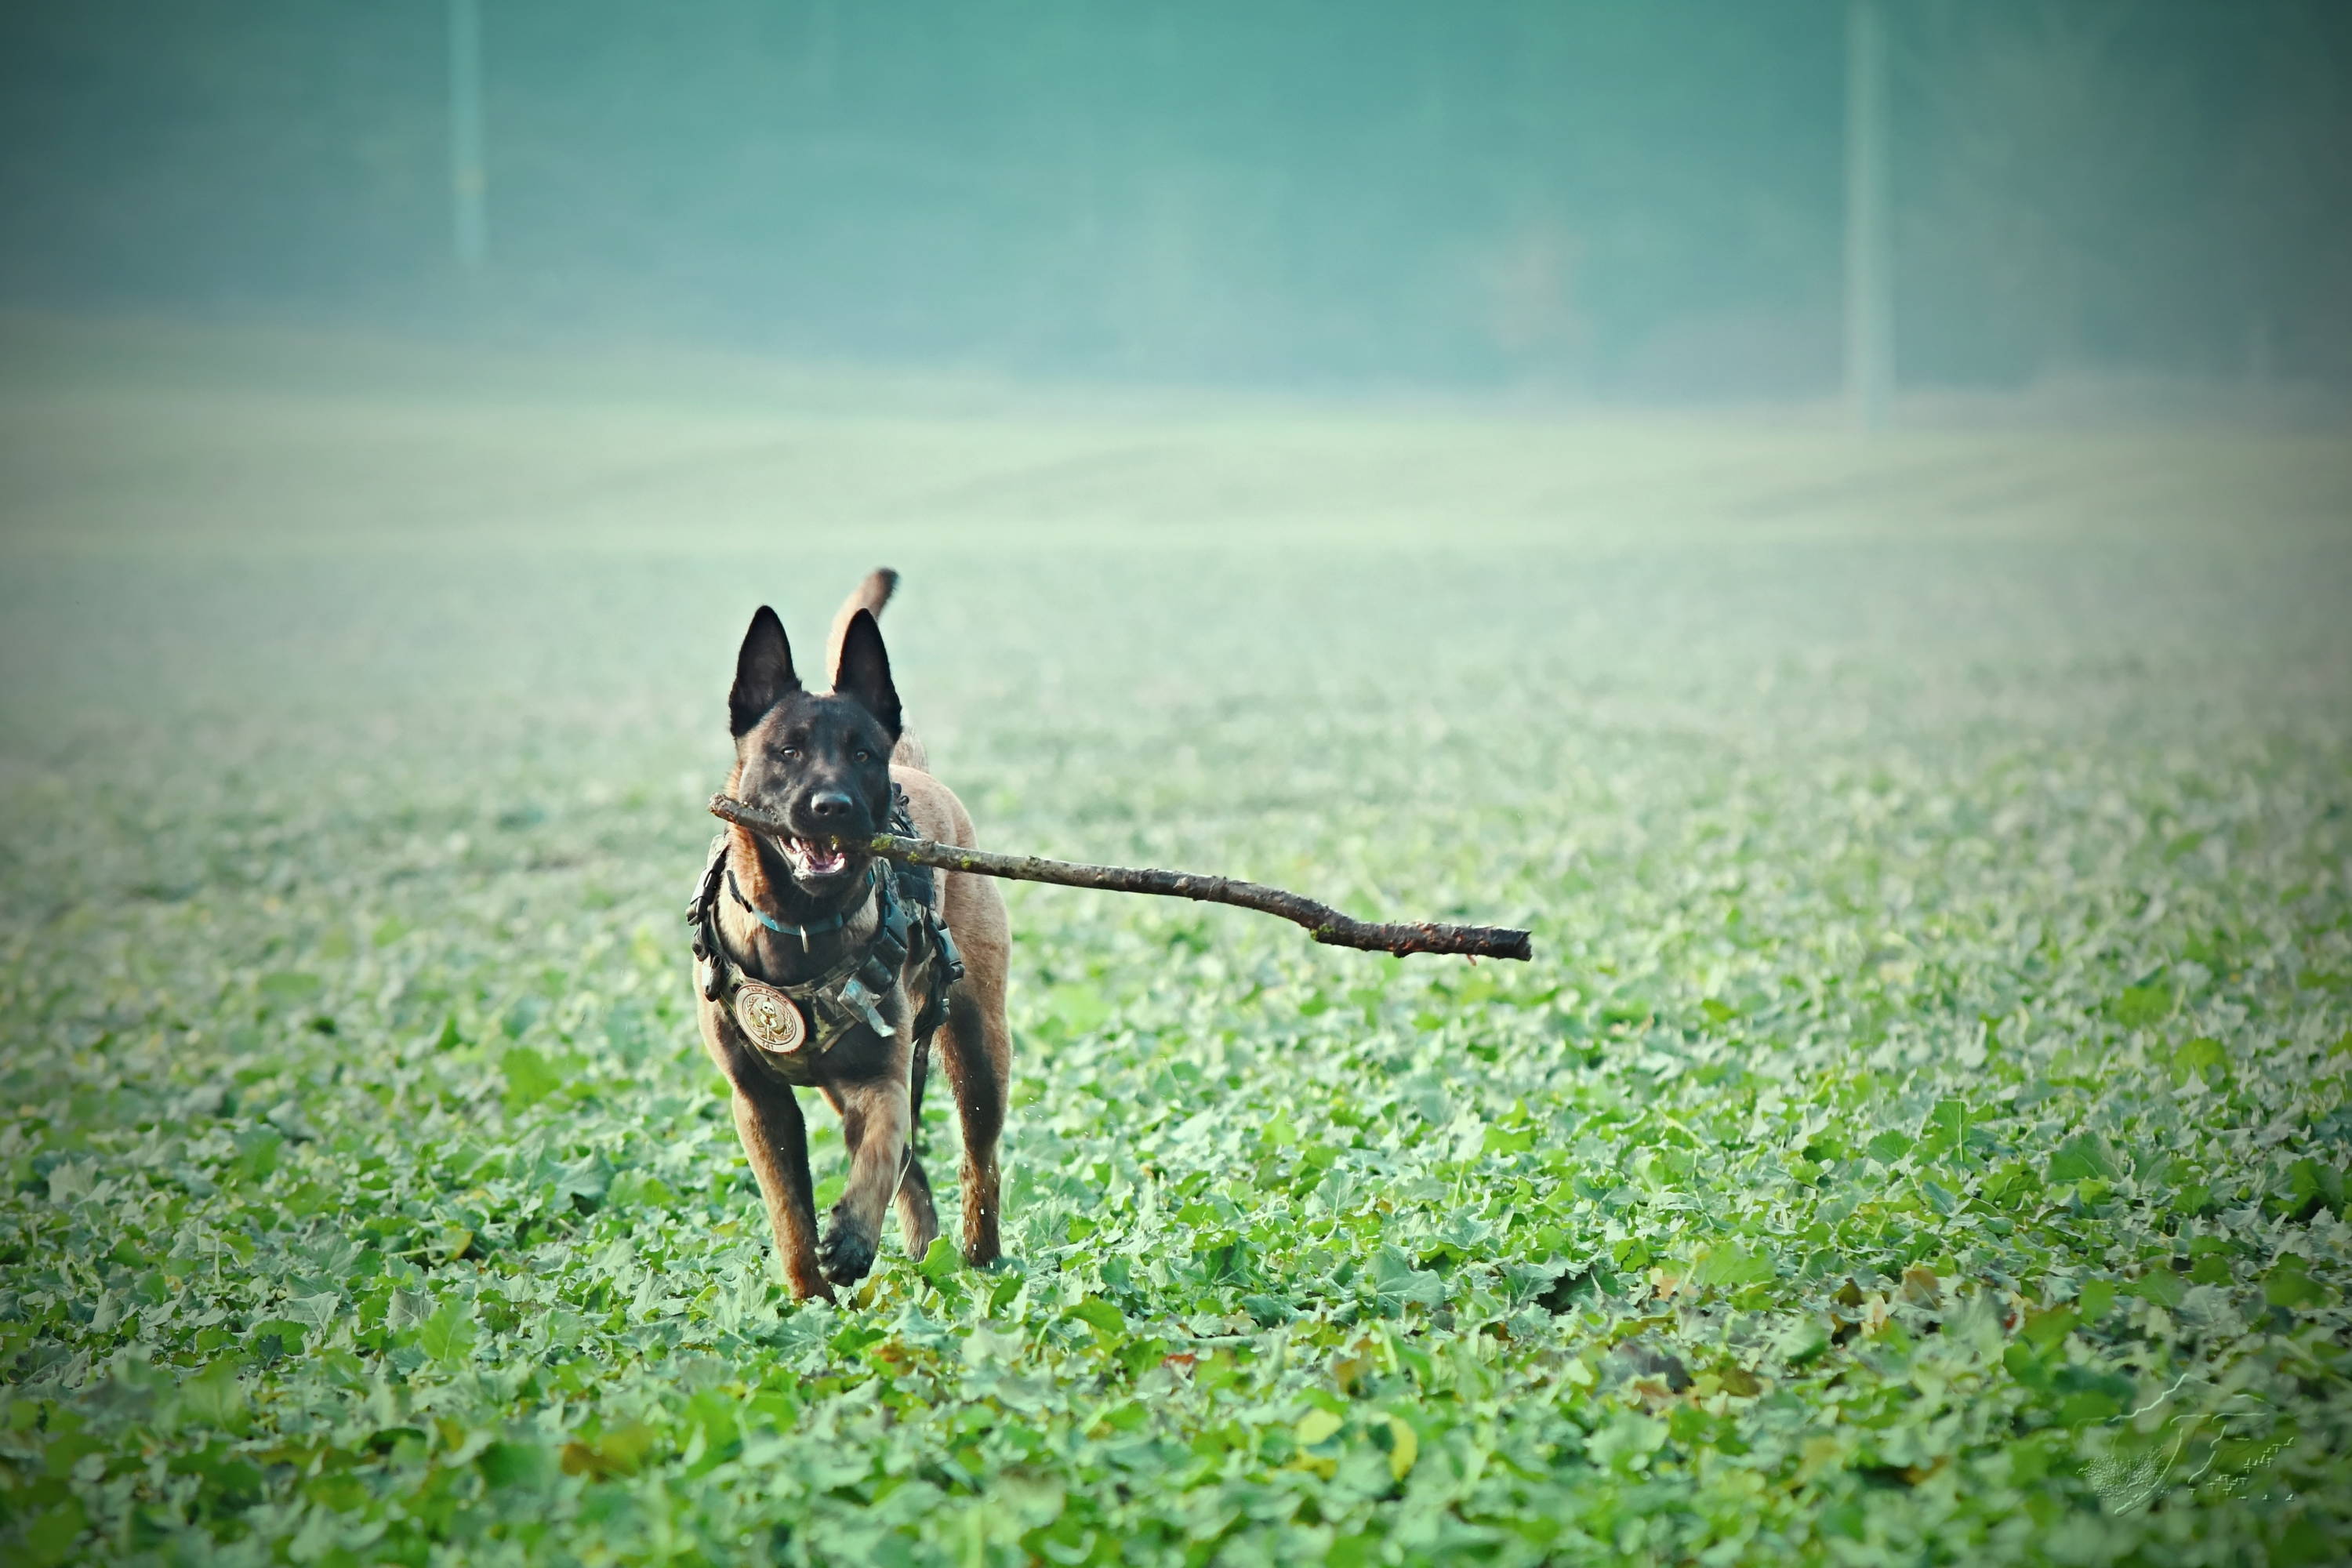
(844, 1006)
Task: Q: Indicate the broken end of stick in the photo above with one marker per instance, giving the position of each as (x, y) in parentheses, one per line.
(1517, 944)
(1404, 940)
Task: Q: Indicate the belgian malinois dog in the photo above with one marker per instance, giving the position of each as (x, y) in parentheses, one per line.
(820, 967)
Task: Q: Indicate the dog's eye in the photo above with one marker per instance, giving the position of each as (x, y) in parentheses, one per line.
(788, 752)
(862, 756)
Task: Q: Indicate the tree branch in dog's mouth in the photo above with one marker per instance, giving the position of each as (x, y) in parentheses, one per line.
(1327, 924)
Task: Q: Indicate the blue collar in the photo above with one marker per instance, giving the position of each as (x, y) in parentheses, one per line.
(815, 928)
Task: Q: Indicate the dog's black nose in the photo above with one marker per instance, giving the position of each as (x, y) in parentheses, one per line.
(829, 803)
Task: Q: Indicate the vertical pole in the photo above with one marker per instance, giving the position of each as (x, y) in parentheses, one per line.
(1869, 310)
(469, 187)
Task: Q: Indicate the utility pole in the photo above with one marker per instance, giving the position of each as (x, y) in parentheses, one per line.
(1869, 307)
(469, 187)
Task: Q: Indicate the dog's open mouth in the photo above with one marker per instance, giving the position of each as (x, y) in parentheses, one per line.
(812, 860)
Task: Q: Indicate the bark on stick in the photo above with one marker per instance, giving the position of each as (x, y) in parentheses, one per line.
(1327, 924)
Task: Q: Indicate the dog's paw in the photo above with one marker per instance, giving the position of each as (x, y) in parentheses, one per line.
(812, 1289)
(845, 1254)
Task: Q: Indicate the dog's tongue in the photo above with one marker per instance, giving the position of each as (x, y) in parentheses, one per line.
(822, 858)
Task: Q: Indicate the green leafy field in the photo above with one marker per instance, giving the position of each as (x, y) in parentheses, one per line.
(1922, 1137)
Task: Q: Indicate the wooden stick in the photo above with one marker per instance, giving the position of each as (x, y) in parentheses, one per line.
(1327, 924)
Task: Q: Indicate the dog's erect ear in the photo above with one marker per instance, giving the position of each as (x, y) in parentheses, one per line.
(865, 674)
(763, 672)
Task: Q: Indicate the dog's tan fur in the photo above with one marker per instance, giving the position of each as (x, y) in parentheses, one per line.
(878, 1096)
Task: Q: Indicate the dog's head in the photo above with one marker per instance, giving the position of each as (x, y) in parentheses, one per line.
(819, 761)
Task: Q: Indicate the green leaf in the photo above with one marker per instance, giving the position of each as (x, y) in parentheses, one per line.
(2312, 1186)
(1803, 1341)
(1399, 1283)
(2088, 1406)
(1727, 1265)
(2200, 1058)
(1100, 1315)
(448, 1336)
(941, 1260)
(1267, 1312)
(2084, 1156)
(1402, 1442)
(2088, 1395)
(521, 1466)
(288, 985)
(1626, 1443)
(2012, 1183)
(530, 1077)
(48, 1537)
(1946, 1129)
(2141, 1006)
(1081, 1009)
(2289, 1284)
(274, 1340)
(622, 1450)
(1500, 1140)
(1315, 1427)
(214, 1397)
(2047, 1329)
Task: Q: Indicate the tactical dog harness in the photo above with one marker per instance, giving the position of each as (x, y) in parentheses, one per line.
(808, 1016)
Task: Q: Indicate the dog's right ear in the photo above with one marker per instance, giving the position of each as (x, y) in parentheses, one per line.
(763, 672)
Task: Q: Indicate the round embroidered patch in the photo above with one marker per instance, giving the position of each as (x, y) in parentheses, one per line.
(773, 1020)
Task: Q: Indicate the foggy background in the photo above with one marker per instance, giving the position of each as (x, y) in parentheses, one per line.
(1618, 201)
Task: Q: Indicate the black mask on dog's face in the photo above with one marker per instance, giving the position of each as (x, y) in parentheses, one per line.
(820, 762)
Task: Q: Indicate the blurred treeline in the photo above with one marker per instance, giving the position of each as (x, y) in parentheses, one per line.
(1625, 199)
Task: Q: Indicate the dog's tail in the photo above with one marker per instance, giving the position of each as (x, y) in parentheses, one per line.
(870, 595)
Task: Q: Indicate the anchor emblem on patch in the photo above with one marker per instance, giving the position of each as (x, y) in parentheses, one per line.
(773, 1021)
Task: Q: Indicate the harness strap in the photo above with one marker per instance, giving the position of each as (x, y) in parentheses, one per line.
(849, 991)
(917, 886)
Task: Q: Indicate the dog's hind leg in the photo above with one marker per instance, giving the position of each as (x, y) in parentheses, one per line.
(975, 1046)
(918, 1217)
(977, 1050)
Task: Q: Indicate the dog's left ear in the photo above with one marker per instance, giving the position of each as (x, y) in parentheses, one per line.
(865, 673)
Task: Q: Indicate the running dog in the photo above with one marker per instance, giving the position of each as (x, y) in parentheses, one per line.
(819, 966)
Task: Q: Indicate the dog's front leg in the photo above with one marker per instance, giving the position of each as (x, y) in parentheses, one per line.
(874, 1124)
(768, 1118)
